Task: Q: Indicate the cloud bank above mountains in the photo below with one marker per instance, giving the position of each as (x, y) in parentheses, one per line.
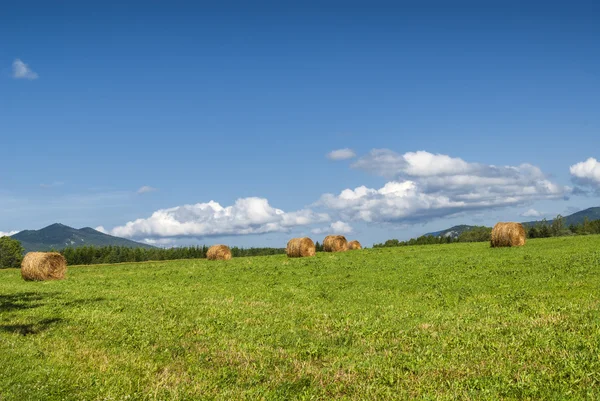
(421, 186)
(251, 215)
(424, 186)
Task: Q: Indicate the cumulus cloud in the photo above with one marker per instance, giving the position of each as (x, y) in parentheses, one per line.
(7, 233)
(586, 173)
(101, 229)
(22, 71)
(424, 186)
(246, 216)
(161, 242)
(145, 189)
(341, 154)
(388, 163)
(531, 213)
(338, 227)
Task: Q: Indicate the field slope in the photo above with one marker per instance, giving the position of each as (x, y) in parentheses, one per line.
(459, 321)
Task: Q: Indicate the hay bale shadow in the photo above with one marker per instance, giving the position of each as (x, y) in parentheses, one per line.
(83, 301)
(20, 301)
(32, 328)
(30, 300)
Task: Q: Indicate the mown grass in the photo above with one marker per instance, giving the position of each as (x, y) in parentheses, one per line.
(459, 321)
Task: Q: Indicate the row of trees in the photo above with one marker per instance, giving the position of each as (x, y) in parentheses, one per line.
(559, 228)
(543, 229)
(90, 255)
(475, 234)
(11, 253)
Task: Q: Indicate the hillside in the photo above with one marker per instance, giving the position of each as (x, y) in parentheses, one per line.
(453, 232)
(592, 213)
(58, 236)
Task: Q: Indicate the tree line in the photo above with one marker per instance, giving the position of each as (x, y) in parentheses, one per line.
(91, 255)
(476, 234)
(11, 253)
(542, 229)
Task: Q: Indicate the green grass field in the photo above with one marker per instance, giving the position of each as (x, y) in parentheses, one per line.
(459, 321)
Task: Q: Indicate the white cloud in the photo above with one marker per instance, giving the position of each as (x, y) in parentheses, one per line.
(7, 233)
(587, 172)
(161, 242)
(341, 154)
(338, 227)
(101, 229)
(145, 189)
(246, 216)
(396, 201)
(425, 186)
(531, 213)
(22, 71)
(388, 163)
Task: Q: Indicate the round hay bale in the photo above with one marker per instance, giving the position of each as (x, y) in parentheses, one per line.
(335, 243)
(300, 248)
(41, 266)
(352, 245)
(218, 252)
(508, 234)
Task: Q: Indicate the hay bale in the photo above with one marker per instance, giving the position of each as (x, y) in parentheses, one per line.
(300, 248)
(41, 266)
(352, 245)
(335, 243)
(508, 234)
(218, 252)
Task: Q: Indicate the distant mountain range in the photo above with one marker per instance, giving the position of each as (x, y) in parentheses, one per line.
(452, 231)
(58, 236)
(592, 213)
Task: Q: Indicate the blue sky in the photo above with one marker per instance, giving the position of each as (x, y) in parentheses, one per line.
(449, 115)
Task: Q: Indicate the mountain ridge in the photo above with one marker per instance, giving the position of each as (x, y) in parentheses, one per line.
(592, 213)
(59, 236)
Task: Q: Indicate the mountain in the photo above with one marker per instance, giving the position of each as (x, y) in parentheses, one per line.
(593, 213)
(58, 236)
(453, 232)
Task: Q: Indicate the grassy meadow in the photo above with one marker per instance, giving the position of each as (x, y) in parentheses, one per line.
(458, 321)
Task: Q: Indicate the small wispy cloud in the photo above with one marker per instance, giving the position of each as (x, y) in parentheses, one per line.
(7, 233)
(145, 189)
(338, 227)
(341, 154)
(532, 213)
(23, 71)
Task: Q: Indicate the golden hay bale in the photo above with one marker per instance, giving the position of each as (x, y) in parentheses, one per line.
(41, 266)
(300, 248)
(508, 234)
(352, 245)
(218, 252)
(335, 243)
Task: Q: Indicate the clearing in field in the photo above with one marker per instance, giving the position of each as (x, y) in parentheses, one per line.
(429, 322)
